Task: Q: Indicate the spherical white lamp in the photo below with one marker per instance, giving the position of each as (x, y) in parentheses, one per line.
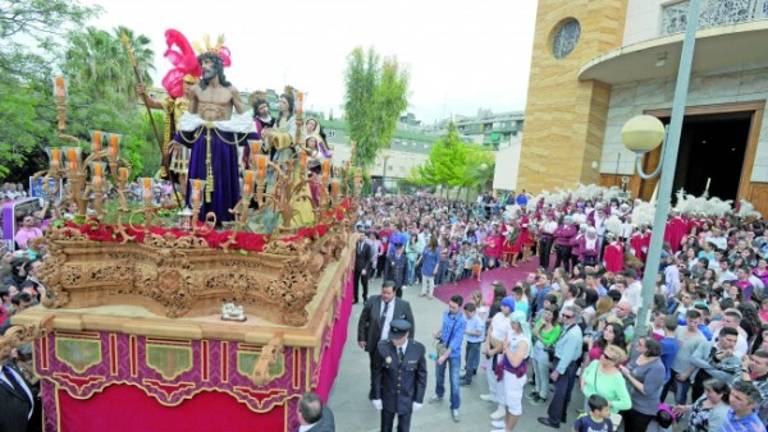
(642, 133)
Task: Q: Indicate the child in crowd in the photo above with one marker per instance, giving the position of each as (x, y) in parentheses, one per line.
(475, 332)
(458, 267)
(468, 260)
(480, 306)
(477, 263)
(598, 419)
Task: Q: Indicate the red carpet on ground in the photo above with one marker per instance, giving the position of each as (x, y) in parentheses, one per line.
(508, 276)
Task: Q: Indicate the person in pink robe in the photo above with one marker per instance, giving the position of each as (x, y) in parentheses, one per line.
(676, 229)
(613, 257)
(524, 238)
(493, 245)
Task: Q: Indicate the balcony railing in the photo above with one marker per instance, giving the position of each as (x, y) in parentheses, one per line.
(714, 13)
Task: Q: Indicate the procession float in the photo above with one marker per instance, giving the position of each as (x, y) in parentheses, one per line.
(230, 302)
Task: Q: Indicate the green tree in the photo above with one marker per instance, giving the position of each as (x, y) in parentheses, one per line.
(31, 32)
(376, 94)
(102, 95)
(453, 163)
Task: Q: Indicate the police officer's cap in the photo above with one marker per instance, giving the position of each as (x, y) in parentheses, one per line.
(398, 328)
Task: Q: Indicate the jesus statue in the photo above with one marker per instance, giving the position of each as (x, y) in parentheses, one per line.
(212, 132)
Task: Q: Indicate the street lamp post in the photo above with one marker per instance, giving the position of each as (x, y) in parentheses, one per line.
(384, 173)
(639, 135)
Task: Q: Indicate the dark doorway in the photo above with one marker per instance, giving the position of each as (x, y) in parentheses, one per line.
(712, 148)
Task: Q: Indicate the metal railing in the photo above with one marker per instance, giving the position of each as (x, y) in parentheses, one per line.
(714, 13)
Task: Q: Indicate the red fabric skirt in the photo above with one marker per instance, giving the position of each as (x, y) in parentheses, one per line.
(524, 239)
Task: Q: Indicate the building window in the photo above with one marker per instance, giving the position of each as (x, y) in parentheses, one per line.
(566, 36)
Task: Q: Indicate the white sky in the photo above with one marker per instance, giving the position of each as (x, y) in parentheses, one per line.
(461, 55)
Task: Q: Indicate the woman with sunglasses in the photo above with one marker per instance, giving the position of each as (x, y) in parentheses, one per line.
(604, 378)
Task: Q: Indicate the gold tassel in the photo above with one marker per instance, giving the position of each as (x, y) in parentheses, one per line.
(208, 159)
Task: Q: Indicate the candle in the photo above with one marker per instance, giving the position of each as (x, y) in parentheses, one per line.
(299, 102)
(248, 182)
(709, 179)
(114, 145)
(59, 86)
(303, 160)
(122, 174)
(95, 141)
(326, 170)
(335, 189)
(73, 158)
(55, 158)
(261, 165)
(98, 180)
(197, 191)
(255, 147)
(146, 182)
(98, 169)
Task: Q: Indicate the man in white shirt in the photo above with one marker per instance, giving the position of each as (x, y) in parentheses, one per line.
(672, 276)
(732, 318)
(724, 273)
(718, 239)
(633, 292)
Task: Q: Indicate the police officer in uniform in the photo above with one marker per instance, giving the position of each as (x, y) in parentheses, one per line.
(400, 380)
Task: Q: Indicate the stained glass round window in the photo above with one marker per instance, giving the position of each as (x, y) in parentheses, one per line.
(566, 36)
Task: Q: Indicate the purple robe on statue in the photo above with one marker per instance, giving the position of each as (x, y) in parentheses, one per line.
(224, 136)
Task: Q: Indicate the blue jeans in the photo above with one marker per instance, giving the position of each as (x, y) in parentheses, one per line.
(411, 274)
(454, 364)
(681, 391)
(472, 360)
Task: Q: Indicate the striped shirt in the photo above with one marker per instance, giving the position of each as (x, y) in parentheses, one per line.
(750, 423)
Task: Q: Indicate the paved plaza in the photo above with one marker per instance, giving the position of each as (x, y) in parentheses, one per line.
(354, 412)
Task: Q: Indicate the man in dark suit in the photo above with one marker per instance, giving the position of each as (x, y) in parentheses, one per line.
(16, 400)
(400, 380)
(363, 257)
(396, 267)
(375, 322)
(314, 416)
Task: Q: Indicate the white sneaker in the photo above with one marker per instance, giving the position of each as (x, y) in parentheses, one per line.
(499, 413)
(499, 424)
(499, 430)
(488, 397)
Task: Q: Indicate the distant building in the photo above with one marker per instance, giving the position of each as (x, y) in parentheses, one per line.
(496, 130)
(408, 149)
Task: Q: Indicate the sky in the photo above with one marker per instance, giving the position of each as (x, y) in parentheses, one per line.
(461, 56)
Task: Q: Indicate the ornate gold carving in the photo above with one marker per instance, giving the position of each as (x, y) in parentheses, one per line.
(179, 277)
(18, 335)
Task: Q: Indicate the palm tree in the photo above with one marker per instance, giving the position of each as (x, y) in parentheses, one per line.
(145, 57)
(97, 64)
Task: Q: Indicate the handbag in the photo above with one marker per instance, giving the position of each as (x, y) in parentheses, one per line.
(440, 346)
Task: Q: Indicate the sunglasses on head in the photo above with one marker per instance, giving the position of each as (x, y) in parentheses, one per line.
(609, 358)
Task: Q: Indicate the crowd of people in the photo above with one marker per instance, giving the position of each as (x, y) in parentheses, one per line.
(21, 288)
(704, 363)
